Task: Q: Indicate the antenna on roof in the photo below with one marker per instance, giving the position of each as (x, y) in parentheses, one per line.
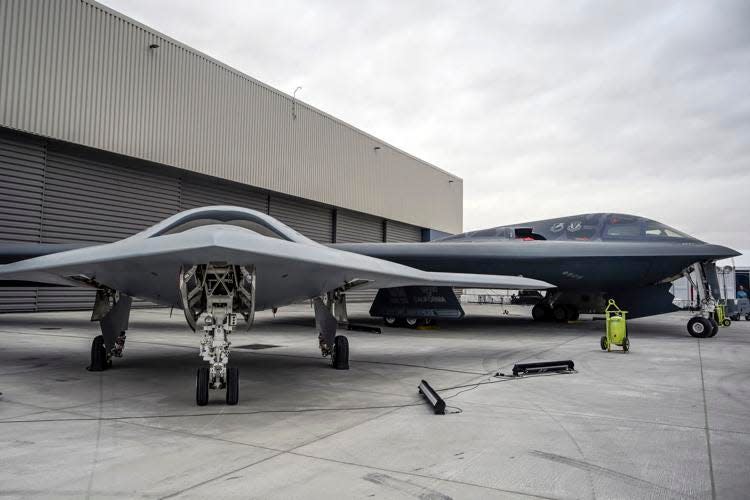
(294, 103)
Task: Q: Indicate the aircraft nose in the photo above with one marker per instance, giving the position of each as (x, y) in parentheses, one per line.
(722, 252)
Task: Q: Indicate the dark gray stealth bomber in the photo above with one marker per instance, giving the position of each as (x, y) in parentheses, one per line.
(590, 258)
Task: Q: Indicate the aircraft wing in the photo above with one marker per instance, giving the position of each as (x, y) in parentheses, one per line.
(286, 271)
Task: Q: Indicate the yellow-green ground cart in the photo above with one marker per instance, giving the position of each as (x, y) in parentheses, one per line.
(617, 328)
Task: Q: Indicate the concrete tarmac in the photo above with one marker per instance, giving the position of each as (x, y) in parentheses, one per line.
(670, 419)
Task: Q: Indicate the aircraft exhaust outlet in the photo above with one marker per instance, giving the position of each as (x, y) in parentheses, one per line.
(432, 397)
(543, 367)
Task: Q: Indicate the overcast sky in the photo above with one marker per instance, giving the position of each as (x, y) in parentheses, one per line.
(543, 108)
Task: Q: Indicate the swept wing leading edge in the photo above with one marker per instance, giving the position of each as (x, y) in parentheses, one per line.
(287, 271)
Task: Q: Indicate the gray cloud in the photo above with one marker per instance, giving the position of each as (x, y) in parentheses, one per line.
(544, 108)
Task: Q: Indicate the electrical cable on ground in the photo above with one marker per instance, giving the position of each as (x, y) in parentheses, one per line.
(503, 378)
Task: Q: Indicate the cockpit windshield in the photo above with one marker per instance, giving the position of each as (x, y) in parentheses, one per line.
(624, 227)
(245, 218)
(585, 227)
(493, 233)
(656, 230)
(250, 225)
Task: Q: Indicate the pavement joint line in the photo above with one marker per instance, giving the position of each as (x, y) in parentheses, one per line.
(64, 409)
(610, 417)
(126, 420)
(588, 357)
(291, 451)
(99, 427)
(707, 431)
(210, 480)
(83, 417)
(558, 412)
(280, 452)
(423, 476)
(575, 443)
(581, 414)
(491, 372)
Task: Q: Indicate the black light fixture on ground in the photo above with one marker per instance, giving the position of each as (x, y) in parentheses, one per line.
(432, 397)
(543, 367)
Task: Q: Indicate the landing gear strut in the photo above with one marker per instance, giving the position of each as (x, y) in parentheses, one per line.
(221, 292)
(112, 311)
(336, 346)
(703, 325)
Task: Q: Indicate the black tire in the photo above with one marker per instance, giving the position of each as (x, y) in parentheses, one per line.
(714, 328)
(412, 322)
(747, 317)
(603, 343)
(201, 386)
(391, 321)
(699, 327)
(540, 312)
(727, 322)
(626, 344)
(233, 385)
(560, 314)
(340, 355)
(98, 355)
(735, 317)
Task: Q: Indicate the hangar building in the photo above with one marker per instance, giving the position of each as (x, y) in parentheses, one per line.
(107, 127)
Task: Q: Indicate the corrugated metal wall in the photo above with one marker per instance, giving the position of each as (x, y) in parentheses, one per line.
(398, 232)
(22, 173)
(201, 191)
(313, 221)
(53, 192)
(353, 227)
(97, 201)
(22, 166)
(76, 71)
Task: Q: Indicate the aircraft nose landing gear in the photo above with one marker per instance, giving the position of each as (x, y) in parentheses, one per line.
(701, 328)
(704, 324)
(215, 349)
(221, 292)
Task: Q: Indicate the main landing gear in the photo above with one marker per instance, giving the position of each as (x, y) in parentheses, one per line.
(408, 322)
(221, 292)
(336, 346)
(112, 310)
(559, 313)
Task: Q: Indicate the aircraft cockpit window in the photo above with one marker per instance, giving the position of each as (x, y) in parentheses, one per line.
(251, 225)
(657, 230)
(485, 233)
(492, 233)
(623, 227)
(630, 230)
(581, 232)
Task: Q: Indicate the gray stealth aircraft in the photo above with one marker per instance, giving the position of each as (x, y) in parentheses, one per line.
(589, 258)
(221, 264)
